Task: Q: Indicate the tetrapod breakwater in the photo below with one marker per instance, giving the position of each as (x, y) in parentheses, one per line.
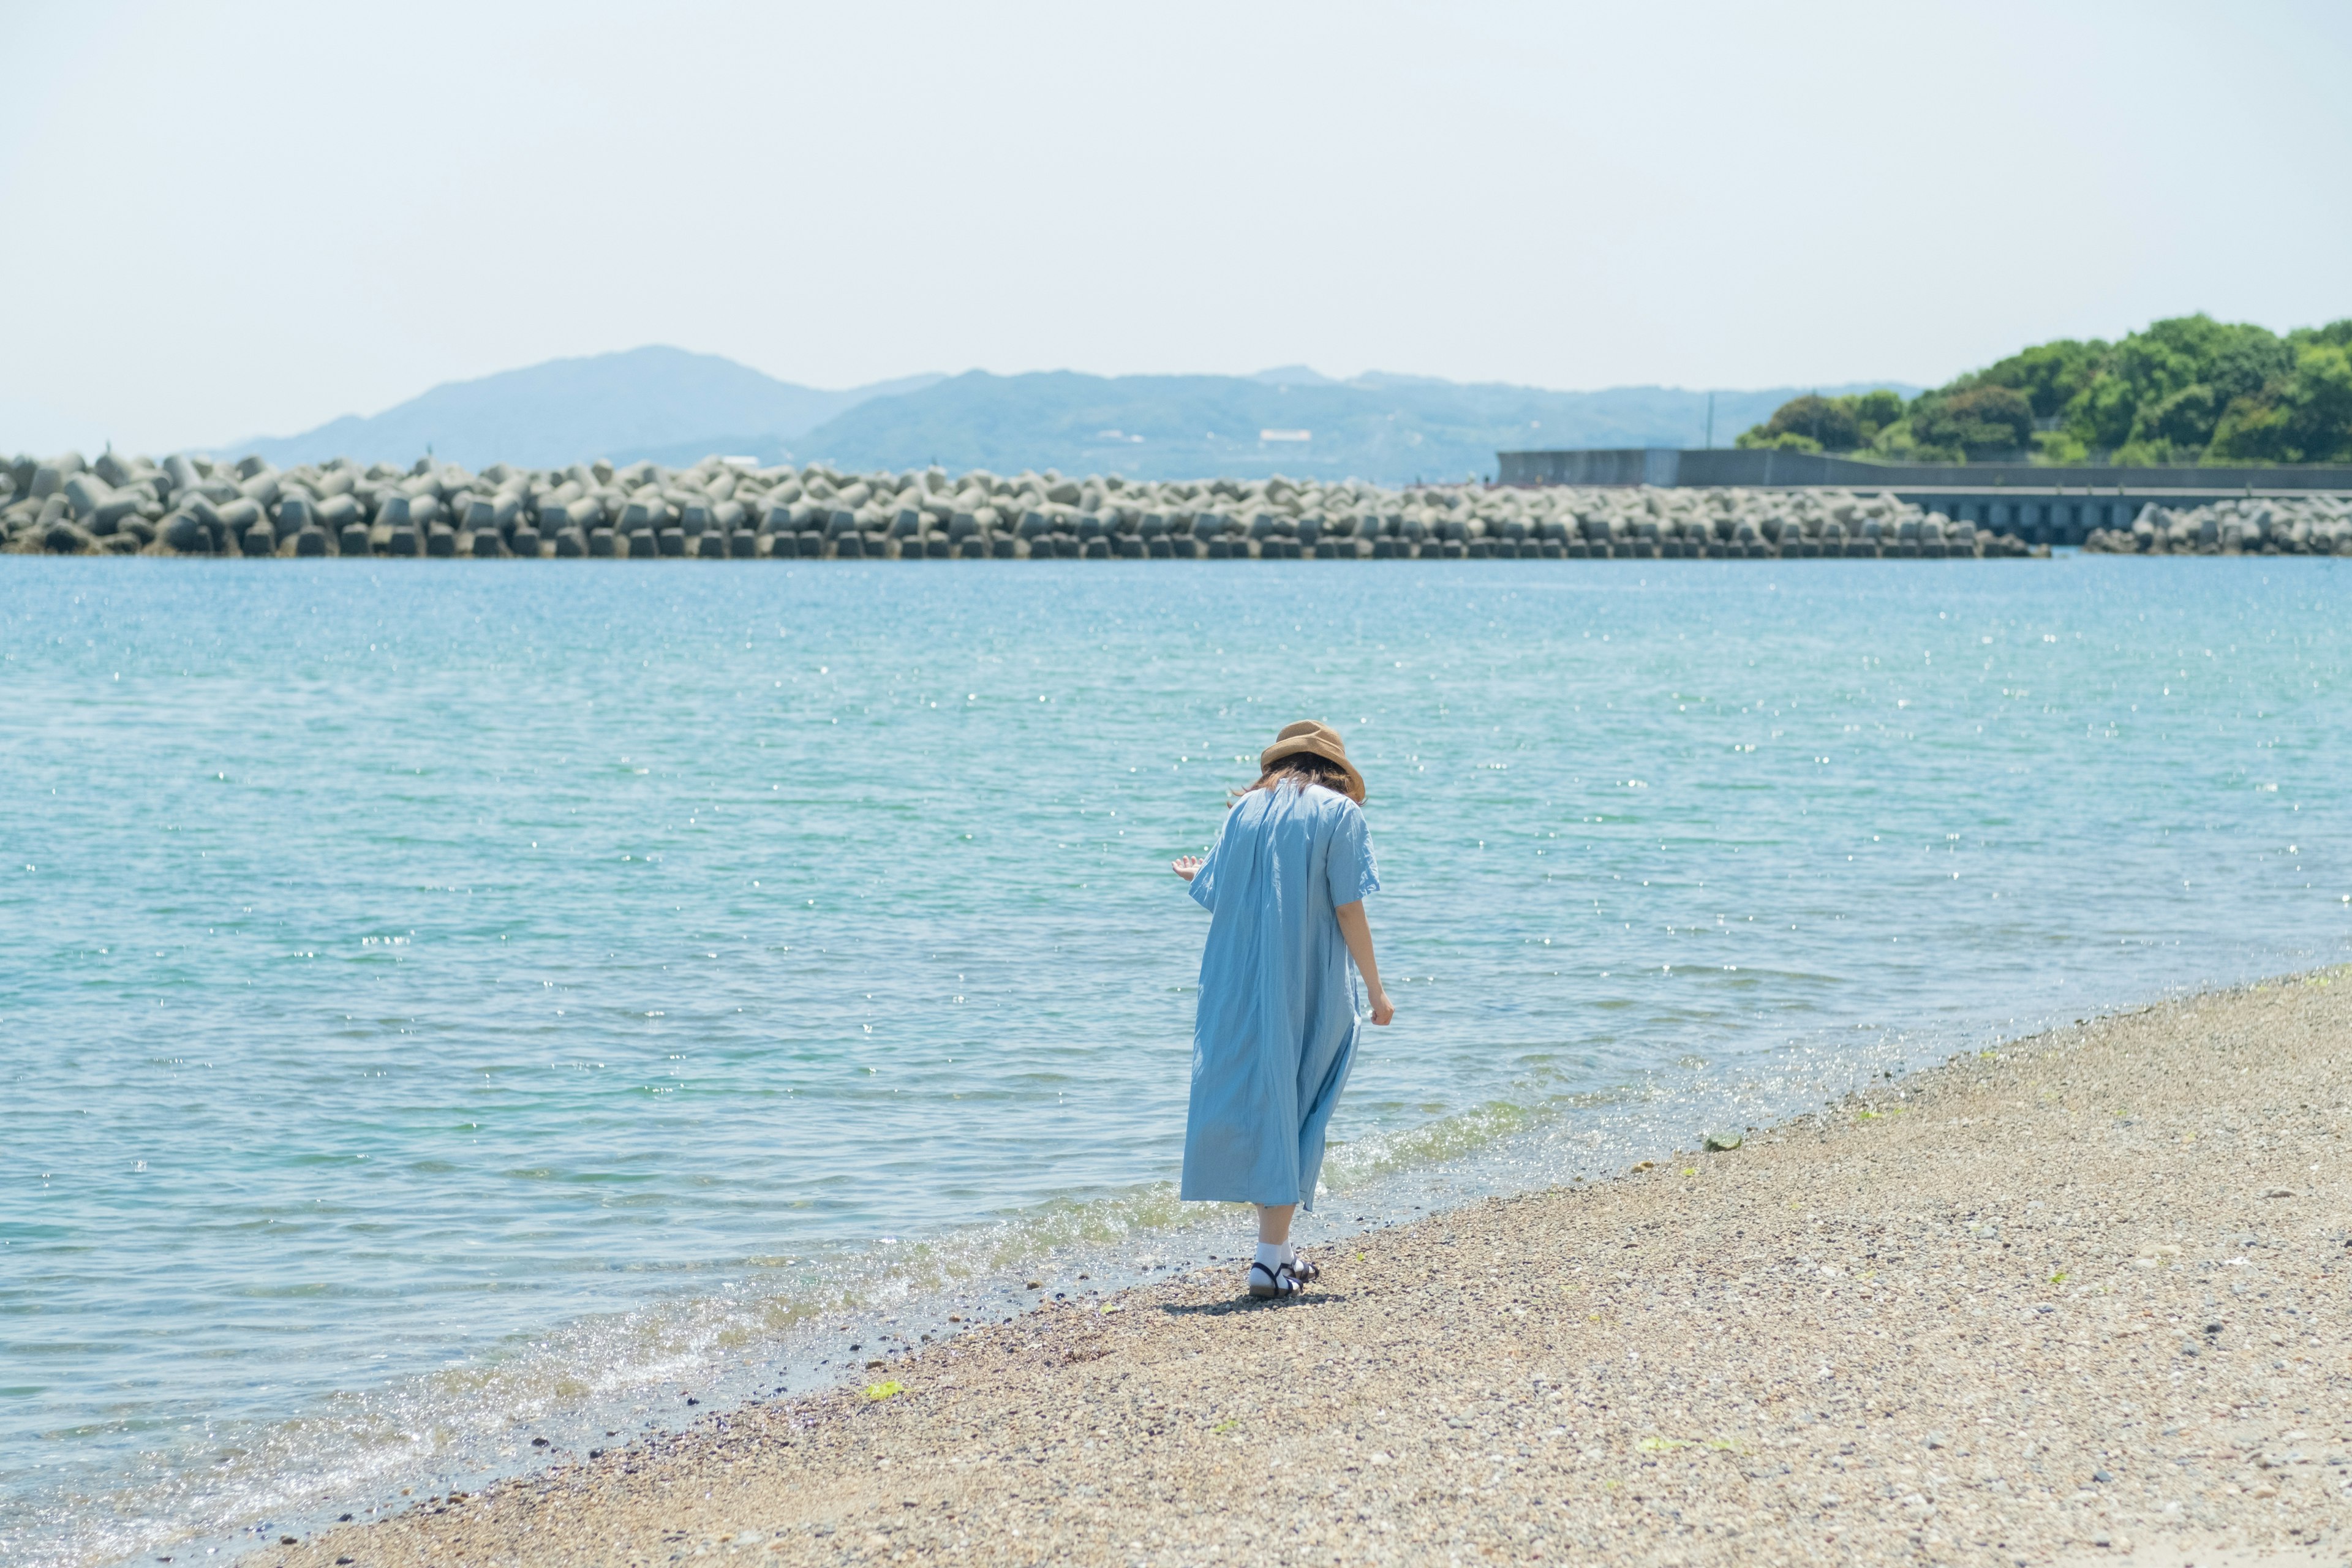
(724, 508)
(2294, 525)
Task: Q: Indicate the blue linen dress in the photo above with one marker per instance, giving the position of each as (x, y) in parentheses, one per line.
(1274, 1031)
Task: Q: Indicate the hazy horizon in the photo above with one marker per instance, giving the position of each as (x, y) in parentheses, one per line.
(256, 218)
(1267, 373)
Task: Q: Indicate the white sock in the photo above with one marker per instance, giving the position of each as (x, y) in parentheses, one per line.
(1289, 1253)
(1270, 1255)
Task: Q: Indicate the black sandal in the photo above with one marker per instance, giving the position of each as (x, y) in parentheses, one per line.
(1302, 1270)
(1277, 1282)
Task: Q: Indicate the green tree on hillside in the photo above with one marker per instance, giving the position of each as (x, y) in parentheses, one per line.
(1816, 423)
(2302, 417)
(1975, 423)
(1876, 411)
(2187, 389)
(2050, 375)
(2162, 392)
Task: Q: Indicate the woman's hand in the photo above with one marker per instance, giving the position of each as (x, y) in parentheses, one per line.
(1358, 933)
(1185, 866)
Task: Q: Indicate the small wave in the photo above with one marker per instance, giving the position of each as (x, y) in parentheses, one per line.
(791, 1324)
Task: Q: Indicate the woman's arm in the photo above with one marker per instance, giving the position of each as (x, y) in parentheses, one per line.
(1358, 934)
(1185, 866)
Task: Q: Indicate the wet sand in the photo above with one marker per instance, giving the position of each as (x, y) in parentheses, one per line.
(2082, 1300)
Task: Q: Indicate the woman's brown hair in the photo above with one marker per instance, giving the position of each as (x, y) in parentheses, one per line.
(1298, 769)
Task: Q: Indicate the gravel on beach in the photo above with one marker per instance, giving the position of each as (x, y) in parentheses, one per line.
(2077, 1299)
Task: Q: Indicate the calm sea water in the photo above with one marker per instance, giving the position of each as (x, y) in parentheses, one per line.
(447, 1000)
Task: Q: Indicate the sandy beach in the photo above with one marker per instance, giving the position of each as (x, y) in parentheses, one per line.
(2079, 1299)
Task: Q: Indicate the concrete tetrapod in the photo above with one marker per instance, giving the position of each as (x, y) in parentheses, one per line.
(714, 509)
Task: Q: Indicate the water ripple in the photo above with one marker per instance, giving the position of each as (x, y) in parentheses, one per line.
(447, 1000)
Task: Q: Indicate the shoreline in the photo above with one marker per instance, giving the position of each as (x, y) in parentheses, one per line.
(1961, 1318)
(484, 1449)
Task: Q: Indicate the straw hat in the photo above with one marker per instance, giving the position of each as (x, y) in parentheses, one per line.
(1315, 739)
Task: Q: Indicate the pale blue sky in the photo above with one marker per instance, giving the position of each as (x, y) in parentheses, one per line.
(229, 219)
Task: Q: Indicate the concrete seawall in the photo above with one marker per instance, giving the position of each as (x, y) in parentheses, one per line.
(729, 510)
(2042, 505)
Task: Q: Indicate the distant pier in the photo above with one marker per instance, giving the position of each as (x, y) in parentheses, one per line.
(2042, 505)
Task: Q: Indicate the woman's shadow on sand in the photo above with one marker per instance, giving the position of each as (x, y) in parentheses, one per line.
(1251, 1304)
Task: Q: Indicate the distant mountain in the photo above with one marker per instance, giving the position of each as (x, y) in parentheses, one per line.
(1388, 428)
(1294, 376)
(647, 403)
(673, 406)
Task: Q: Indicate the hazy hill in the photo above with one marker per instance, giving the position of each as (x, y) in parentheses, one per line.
(645, 403)
(674, 407)
(1385, 427)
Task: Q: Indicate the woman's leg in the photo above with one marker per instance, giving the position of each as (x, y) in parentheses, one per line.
(1273, 1243)
(1270, 1274)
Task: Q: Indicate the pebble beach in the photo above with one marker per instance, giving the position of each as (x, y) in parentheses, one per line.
(2075, 1300)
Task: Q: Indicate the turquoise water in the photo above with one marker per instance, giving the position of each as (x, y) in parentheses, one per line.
(445, 998)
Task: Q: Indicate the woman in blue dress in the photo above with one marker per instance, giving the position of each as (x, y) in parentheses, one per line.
(1274, 1031)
